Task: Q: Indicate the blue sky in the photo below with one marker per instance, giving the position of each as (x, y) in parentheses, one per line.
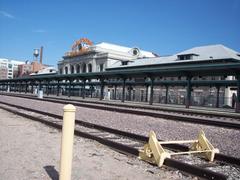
(161, 26)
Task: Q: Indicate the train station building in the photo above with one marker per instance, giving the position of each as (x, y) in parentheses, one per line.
(201, 95)
(201, 76)
(86, 57)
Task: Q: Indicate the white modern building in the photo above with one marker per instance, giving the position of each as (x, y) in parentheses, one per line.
(9, 68)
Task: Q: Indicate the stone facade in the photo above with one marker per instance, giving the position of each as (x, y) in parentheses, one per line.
(96, 58)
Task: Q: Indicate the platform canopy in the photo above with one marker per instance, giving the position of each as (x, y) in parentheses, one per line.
(188, 69)
(212, 60)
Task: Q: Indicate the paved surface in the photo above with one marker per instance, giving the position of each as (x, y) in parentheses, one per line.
(30, 150)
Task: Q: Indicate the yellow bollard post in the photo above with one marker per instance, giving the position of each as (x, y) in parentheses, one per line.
(67, 142)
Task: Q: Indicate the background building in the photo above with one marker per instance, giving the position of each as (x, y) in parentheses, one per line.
(24, 69)
(29, 68)
(9, 68)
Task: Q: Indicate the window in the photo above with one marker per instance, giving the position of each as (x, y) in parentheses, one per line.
(89, 67)
(124, 63)
(101, 67)
(135, 52)
(9, 65)
(84, 67)
(78, 68)
(72, 69)
(186, 56)
(61, 71)
(66, 70)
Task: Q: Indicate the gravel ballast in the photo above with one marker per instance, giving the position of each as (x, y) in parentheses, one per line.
(31, 150)
(227, 140)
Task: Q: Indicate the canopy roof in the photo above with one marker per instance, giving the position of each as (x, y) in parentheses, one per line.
(210, 53)
(203, 69)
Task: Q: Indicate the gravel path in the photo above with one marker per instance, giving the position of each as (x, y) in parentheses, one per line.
(30, 150)
(227, 140)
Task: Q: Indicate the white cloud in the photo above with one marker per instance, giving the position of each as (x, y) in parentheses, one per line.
(6, 14)
(39, 31)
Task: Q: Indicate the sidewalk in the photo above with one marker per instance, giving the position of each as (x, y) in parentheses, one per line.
(31, 150)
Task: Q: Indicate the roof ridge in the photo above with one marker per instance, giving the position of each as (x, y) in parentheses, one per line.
(229, 50)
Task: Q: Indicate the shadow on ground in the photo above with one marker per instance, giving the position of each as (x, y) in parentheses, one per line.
(52, 172)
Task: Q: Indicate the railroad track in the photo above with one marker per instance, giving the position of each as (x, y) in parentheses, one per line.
(230, 121)
(130, 143)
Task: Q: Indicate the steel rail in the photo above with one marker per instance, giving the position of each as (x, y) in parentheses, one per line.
(182, 118)
(138, 106)
(177, 147)
(103, 128)
(167, 109)
(191, 169)
(173, 109)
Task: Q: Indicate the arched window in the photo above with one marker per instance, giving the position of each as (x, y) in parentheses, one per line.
(66, 70)
(89, 67)
(84, 67)
(72, 69)
(101, 67)
(60, 70)
(78, 68)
